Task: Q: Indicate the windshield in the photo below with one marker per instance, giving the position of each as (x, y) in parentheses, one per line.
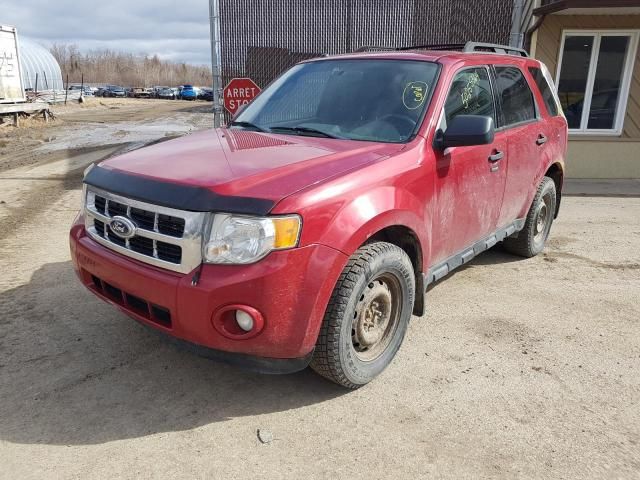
(375, 100)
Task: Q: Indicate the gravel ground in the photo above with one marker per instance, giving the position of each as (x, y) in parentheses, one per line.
(520, 368)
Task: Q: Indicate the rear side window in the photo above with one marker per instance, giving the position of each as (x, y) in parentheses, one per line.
(515, 96)
(470, 94)
(545, 90)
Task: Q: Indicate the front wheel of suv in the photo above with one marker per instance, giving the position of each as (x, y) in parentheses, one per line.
(531, 239)
(367, 316)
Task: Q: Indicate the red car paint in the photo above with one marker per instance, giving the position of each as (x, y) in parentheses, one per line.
(345, 192)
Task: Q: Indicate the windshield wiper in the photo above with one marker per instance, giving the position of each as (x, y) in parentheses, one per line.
(303, 130)
(253, 126)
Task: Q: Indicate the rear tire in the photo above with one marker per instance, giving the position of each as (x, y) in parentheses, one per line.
(367, 316)
(532, 238)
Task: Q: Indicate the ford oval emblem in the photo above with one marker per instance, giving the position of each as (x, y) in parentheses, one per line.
(122, 227)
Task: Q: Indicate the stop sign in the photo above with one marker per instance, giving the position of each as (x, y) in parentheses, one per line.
(239, 91)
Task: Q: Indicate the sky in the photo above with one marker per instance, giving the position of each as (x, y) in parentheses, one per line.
(176, 31)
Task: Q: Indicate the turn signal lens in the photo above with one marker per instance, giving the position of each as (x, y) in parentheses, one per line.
(287, 232)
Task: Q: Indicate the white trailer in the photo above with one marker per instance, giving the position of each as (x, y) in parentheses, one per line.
(11, 85)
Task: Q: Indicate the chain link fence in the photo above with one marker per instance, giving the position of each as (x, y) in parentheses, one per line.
(261, 39)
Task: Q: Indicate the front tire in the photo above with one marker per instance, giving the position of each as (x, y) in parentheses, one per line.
(532, 238)
(367, 316)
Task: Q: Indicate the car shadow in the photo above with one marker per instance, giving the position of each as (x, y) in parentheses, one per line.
(77, 371)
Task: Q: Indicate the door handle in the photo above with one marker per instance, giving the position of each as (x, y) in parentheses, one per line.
(541, 139)
(496, 157)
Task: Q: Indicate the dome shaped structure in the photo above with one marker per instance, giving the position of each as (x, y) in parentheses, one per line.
(35, 59)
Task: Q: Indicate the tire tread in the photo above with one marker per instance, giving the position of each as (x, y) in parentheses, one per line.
(523, 244)
(326, 361)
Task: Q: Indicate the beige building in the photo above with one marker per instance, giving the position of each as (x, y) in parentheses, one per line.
(591, 48)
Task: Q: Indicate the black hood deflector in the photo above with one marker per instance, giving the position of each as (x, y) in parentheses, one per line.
(174, 195)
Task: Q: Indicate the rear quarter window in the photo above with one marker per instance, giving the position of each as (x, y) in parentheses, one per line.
(545, 91)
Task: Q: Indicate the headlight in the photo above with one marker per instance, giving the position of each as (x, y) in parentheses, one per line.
(241, 240)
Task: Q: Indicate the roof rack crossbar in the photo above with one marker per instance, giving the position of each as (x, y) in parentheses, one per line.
(468, 47)
(495, 48)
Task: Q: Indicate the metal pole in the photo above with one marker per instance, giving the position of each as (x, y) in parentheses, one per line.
(66, 90)
(81, 87)
(516, 39)
(214, 23)
(36, 84)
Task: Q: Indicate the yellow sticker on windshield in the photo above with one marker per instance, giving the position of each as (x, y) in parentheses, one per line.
(467, 92)
(414, 95)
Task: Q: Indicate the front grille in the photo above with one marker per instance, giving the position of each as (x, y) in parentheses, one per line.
(144, 246)
(171, 225)
(165, 237)
(169, 253)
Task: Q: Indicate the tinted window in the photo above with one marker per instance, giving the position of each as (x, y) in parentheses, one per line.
(470, 94)
(515, 96)
(545, 90)
(377, 100)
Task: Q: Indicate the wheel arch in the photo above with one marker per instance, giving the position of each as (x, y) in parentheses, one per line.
(406, 239)
(385, 213)
(556, 173)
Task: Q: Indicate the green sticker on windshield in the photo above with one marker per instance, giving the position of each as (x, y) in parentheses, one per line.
(414, 95)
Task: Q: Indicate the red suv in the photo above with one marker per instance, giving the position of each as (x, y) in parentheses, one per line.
(307, 231)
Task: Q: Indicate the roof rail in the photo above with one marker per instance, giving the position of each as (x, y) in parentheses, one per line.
(468, 47)
(494, 48)
(435, 46)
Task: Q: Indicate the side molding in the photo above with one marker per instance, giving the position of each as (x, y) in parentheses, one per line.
(445, 267)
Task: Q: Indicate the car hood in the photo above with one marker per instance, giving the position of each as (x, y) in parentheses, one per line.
(243, 163)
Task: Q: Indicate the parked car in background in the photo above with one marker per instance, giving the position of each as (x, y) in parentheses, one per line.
(114, 91)
(157, 89)
(188, 92)
(139, 92)
(85, 89)
(167, 94)
(206, 94)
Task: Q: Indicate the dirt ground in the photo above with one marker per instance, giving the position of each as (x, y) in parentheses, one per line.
(520, 368)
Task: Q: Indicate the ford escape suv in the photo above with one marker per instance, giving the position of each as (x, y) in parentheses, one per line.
(307, 230)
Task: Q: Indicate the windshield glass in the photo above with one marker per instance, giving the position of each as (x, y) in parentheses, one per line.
(375, 100)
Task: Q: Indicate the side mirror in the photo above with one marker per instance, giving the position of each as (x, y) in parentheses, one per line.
(465, 131)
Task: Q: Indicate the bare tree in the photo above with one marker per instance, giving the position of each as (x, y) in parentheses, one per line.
(120, 68)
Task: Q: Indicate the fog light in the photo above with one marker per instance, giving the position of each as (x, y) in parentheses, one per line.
(245, 321)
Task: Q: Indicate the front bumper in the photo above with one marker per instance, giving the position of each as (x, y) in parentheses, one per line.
(289, 288)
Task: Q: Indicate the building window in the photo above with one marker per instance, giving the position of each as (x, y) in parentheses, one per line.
(593, 79)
